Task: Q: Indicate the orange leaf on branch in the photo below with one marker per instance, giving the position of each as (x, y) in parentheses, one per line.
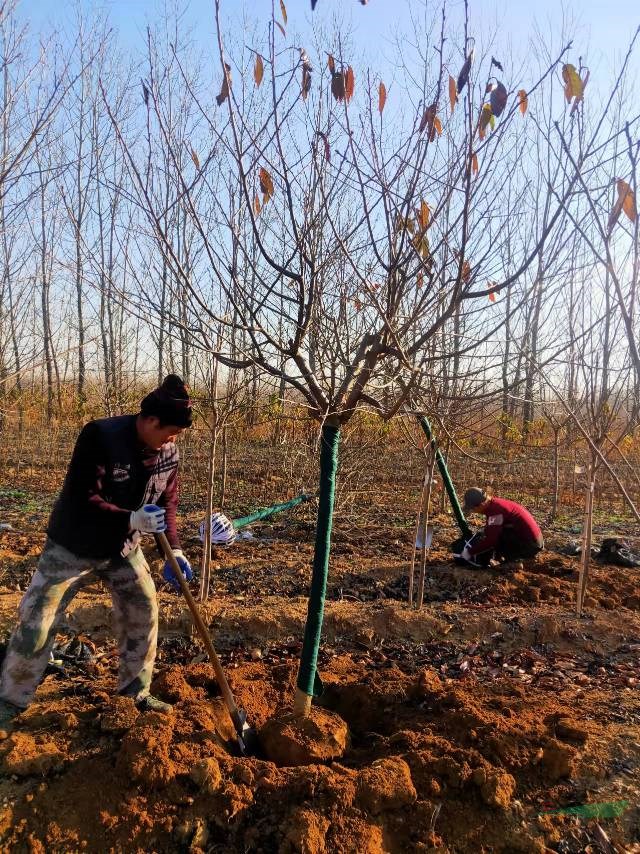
(423, 216)
(349, 84)
(626, 202)
(382, 97)
(258, 70)
(523, 101)
(266, 185)
(453, 92)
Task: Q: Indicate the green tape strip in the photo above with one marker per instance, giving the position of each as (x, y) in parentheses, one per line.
(609, 809)
(307, 677)
(446, 479)
(265, 512)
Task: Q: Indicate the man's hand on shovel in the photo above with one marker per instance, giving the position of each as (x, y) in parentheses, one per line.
(185, 567)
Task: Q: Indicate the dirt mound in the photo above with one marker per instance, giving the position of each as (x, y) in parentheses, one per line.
(321, 737)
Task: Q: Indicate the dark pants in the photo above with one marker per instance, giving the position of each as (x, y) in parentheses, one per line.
(510, 547)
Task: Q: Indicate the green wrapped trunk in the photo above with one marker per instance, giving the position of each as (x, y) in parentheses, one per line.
(308, 682)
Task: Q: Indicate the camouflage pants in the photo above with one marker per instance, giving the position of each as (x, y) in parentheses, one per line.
(59, 576)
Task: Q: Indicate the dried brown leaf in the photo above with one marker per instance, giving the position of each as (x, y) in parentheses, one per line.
(226, 85)
(523, 101)
(349, 84)
(382, 97)
(338, 85)
(283, 10)
(258, 70)
(498, 99)
(327, 149)
(331, 64)
(453, 92)
(196, 159)
(266, 185)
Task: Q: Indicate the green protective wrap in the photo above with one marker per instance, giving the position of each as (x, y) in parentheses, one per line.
(307, 678)
(446, 479)
(265, 512)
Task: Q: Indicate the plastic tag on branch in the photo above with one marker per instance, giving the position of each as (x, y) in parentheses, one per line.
(424, 538)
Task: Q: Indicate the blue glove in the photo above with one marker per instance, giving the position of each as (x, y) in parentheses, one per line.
(185, 566)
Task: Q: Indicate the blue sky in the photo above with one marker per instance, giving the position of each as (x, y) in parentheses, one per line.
(603, 26)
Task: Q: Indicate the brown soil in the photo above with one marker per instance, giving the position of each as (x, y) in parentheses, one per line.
(469, 721)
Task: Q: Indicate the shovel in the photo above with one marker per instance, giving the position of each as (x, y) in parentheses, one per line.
(247, 737)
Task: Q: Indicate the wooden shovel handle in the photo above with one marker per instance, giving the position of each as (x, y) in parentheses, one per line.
(200, 626)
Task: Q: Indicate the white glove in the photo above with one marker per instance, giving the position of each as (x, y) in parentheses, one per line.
(466, 553)
(148, 519)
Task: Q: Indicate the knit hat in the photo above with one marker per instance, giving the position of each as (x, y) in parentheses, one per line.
(169, 402)
(472, 498)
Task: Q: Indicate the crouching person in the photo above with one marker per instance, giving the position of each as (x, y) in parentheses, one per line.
(122, 482)
(510, 532)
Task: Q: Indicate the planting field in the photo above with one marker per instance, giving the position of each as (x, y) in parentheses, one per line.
(492, 720)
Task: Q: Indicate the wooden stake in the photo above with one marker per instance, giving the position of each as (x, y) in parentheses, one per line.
(425, 527)
(585, 558)
(417, 534)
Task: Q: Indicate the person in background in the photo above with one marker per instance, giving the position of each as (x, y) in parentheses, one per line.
(510, 532)
(122, 482)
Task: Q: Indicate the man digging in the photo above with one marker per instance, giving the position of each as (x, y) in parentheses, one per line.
(122, 482)
(510, 532)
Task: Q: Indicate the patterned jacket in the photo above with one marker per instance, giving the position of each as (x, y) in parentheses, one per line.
(111, 474)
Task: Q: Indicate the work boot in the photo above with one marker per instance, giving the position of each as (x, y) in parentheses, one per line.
(7, 714)
(149, 703)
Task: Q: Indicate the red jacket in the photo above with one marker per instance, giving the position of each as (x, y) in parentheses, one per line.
(502, 513)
